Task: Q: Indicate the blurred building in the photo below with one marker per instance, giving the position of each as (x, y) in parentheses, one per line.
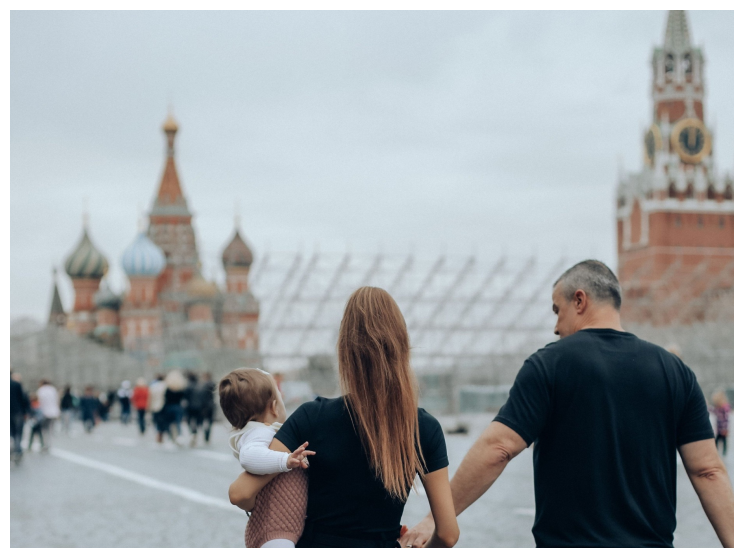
(170, 315)
(675, 218)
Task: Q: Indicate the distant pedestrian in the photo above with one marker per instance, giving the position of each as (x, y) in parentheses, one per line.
(48, 405)
(174, 393)
(19, 408)
(193, 406)
(103, 406)
(125, 401)
(67, 408)
(111, 399)
(140, 397)
(89, 405)
(721, 409)
(157, 404)
(206, 395)
(37, 423)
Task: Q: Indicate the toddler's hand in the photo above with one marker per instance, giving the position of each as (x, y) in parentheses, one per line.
(298, 457)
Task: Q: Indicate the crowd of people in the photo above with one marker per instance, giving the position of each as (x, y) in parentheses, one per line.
(167, 400)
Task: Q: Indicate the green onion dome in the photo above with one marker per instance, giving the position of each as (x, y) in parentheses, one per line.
(86, 262)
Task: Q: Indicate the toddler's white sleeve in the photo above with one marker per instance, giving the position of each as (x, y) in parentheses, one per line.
(257, 458)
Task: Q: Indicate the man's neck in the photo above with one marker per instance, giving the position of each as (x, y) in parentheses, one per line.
(602, 317)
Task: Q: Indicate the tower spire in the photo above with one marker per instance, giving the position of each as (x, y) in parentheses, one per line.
(677, 36)
(170, 192)
(56, 312)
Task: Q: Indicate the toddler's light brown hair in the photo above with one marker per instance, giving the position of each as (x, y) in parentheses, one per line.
(244, 395)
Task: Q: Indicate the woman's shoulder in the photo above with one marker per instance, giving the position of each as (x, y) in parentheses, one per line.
(427, 422)
(320, 406)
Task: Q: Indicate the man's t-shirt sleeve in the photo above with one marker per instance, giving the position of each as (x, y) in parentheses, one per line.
(526, 411)
(694, 423)
(293, 432)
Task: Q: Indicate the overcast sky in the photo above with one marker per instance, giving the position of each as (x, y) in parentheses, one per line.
(468, 132)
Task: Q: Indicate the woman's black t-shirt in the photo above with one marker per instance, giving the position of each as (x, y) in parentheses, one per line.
(344, 496)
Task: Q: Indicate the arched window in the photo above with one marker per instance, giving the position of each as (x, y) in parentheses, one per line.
(690, 192)
(711, 192)
(687, 64)
(669, 64)
(672, 190)
(728, 193)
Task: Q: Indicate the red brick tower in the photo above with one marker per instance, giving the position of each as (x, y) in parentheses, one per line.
(170, 225)
(85, 266)
(675, 219)
(240, 308)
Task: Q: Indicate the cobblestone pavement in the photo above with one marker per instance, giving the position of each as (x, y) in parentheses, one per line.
(115, 488)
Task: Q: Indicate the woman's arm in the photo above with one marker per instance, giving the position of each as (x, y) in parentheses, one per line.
(243, 490)
(446, 531)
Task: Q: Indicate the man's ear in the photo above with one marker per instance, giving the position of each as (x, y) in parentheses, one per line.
(580, 301)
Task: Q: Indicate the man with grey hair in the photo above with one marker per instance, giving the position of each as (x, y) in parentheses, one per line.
(607, 413)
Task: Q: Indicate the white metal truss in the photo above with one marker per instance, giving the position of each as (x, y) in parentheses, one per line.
(456, 307)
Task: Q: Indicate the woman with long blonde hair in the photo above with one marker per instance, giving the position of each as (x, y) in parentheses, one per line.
(370, 443)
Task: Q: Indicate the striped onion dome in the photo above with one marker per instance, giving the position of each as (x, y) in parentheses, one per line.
(86, 262)
(237, 253)
(200, 288)
(105, 297)
(143, 258)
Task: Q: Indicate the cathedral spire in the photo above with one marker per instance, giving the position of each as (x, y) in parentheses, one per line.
(56, 312)
(677, 36)
(170, 193)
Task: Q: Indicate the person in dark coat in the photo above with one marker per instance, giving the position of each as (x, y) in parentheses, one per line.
(206, 397)
(19, 407)
(67, 408)
(89, 406)
(193, 406)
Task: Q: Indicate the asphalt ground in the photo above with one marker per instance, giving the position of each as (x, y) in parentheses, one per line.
(116, 488)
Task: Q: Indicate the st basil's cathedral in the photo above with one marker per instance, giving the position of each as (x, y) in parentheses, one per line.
(170, 315)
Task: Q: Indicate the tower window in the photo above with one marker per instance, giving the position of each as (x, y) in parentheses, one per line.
(672, 190)
(690, 193)
(669, 64)
(687, 63)
(711, 192)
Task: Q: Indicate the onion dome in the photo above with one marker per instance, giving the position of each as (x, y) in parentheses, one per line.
(143, 258)
(105, 297)
(170, 125)
(200, 288)
(86, 262)
(237, 253)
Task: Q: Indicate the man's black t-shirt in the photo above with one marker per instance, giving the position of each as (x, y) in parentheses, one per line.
(606, 412)
(344, 496)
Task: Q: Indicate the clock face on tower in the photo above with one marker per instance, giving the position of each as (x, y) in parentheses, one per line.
(652, 143)
(691, 140)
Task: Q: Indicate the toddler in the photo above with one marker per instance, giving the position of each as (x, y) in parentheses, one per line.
(251, 402)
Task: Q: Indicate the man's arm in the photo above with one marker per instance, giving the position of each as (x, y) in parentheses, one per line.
(482, 465)
(711, 482)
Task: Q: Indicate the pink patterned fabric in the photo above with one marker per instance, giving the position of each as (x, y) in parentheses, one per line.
(280, 510)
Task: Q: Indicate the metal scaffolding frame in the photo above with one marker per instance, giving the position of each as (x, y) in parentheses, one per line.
(451, 303)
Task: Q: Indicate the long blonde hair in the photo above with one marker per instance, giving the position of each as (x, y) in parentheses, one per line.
(380, 390)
